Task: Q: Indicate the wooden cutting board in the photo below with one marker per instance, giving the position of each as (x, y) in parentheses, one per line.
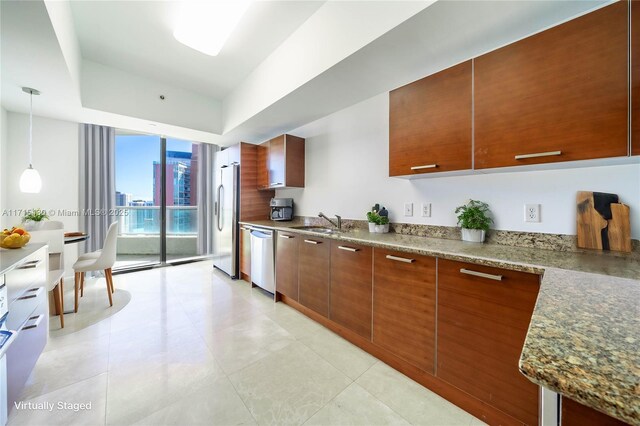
(602, 222)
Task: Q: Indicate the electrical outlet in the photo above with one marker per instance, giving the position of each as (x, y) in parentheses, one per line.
(426, 209)
(532, 212)
(408, 209)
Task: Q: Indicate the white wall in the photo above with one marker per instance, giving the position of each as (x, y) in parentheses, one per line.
(347, 172)
(55, 156)
(3, 169)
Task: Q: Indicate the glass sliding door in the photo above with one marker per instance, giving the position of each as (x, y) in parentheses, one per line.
(181, 183)
(139, 240)
(156, 187)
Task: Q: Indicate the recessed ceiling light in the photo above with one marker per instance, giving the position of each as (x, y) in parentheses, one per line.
(206, 25)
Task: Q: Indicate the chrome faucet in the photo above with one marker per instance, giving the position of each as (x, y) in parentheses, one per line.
(337, 224)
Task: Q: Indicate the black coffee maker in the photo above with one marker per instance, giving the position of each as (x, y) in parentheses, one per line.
(281, 208)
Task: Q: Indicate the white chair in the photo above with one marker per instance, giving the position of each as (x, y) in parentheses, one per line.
(103, 262)
(52, 233)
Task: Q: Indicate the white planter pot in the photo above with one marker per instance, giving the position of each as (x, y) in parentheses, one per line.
(473, 235)
(30, 225)
(382, 229)
(372, 227)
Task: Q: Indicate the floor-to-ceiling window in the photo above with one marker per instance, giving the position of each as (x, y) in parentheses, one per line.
(156, 189)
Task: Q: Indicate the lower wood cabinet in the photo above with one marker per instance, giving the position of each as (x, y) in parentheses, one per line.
(404, 306)
(245, 253)
(483, 317)
(576, 414)
(287, 264)
(313, 274)
(351, 287)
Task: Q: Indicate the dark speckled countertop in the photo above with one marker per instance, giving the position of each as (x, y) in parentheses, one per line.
(584, 336)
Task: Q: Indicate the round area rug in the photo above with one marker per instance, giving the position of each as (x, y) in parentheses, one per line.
(93, 307)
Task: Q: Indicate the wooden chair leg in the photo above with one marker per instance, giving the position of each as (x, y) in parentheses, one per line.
(81, 284)
(57, 294)
(76, 290)
(110, 275)
(56, 299)
(61, 296)
(106, 274)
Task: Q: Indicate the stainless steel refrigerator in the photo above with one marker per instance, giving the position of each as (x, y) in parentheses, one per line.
(226, 210)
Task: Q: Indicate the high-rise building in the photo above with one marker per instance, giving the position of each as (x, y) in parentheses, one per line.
(177, 181)
(123, 199)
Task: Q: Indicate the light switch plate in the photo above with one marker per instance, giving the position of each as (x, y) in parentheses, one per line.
(408, 209)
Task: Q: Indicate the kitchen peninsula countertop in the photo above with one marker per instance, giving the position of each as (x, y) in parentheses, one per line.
(584, 337)
(9, 258)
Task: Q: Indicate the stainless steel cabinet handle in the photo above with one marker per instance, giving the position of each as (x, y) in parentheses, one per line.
(400, 259)
(312, 242)
(348, 248)
(32, 322)
(275, 183)
(30, 265)
(481, 274)
(538, 154)
(427, 166)
(285, 236)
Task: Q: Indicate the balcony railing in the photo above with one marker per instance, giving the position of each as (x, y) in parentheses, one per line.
(145, 220)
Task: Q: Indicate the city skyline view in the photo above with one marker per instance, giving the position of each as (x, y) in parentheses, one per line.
(135, 157)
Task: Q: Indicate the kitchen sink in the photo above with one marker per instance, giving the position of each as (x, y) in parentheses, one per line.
(319, 229)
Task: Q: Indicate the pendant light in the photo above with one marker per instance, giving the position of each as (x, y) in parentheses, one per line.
(30, 179)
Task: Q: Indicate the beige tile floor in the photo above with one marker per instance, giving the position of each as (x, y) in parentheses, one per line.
(194, 347)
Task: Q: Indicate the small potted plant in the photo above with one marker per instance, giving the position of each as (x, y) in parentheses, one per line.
(34, 218)
(474, 219)
(378, 217)
(382, 224)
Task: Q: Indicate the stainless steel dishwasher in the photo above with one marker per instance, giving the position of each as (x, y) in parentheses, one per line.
(262, 259)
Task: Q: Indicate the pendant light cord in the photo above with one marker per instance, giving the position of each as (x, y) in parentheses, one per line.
(30, 129)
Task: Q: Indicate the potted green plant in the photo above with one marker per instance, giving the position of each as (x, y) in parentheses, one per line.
(474, 219)
(34, 218)
(382, 224)
(372, 218)
(378, 219)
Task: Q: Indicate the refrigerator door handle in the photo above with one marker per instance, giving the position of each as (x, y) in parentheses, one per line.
(219, 212)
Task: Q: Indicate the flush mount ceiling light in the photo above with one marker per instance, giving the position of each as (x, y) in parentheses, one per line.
(30, 179)
(206, 25)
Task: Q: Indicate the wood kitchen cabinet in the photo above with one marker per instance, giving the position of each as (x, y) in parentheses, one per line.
(313, 274)
(430, 126)
(559, 95)
(483, 317)
(404, 306)
(350, 299)
(287, 264)
(245, 253)
(635, 78)
(576, 414)
(281, 163)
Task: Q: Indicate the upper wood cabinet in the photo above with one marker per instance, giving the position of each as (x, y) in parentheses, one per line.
(430, 123)
(281, 163)
(635, 78)
(313, 274)
(351, 287)
(404, 306)
(483, 318)
(558, 95)
(287, 264)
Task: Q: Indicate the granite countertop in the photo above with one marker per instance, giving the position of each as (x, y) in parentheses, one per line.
(584, 336)
(11, 257)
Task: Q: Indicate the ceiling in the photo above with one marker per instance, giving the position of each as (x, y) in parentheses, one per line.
(143, 43)
(287, 62)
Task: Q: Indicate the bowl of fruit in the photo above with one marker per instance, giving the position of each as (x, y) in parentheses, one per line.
(14, 238)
